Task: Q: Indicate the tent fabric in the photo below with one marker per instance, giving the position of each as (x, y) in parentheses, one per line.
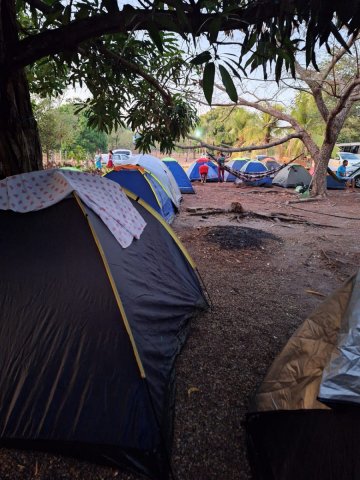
(332, 180)
(162, 173)
(291, 432)
(304, 445)
(332, 184)
(146, 185)
(340, 382)
(193, 171)
(37, 190)
(70, 377)
(235, 164)
(271, 164)
(292, 176)
(253, 166)
(179, 174)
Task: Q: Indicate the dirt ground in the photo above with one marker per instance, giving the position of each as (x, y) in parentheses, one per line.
(264, 274)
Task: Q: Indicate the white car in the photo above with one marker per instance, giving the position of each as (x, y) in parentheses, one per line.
(118, 158)
(352, 158)
(122, 151)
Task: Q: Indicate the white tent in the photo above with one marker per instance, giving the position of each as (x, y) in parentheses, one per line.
(161, 171)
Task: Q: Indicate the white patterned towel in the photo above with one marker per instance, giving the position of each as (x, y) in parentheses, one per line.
(37, 190)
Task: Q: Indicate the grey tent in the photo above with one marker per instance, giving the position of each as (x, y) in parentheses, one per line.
(90, 331)
(305, 419)
(292, 176)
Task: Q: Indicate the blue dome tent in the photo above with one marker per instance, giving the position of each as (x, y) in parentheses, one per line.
(193, 171)
(235, 164)
(179, 174)
(158, 168)
(254, 166)
(144, 184)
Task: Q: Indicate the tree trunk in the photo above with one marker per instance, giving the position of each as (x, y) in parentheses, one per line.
(20, 149)
(333, 128)
(318, 185)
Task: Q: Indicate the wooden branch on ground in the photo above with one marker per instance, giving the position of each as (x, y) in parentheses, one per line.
(195, 211)
(314, 292)
(274, 216)
(303, 200)
(286, 218)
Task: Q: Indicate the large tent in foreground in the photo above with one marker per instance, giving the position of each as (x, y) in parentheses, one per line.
(90, 330)
(305, 420)
(179, 174)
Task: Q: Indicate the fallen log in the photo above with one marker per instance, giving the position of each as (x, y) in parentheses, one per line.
(305, 200)
(286, 218)
(215, 211)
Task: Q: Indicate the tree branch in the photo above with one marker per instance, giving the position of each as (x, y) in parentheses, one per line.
(68, 37)
(315, 83)
(43, 7)
(338, 57)
(134, 68)
(238, 149)
(268, 109)
(338, 114)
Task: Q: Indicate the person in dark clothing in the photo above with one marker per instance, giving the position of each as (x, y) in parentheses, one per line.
(221, 169)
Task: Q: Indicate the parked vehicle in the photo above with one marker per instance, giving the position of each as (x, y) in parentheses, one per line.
(356, 174)
(118, 158)
(352, 158)
(122, 151)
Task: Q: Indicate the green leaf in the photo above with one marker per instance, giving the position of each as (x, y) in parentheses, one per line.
(208, 81)
(338, 36)
(214, 28)
(66, 15)
(228, 83)
(278, 68)
(155, 36)
(235, 72)
(203, 57)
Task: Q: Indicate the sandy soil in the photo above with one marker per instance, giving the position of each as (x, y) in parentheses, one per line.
(258, 274)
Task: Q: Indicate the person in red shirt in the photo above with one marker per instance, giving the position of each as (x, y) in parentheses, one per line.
(110, 163)
(203, 170)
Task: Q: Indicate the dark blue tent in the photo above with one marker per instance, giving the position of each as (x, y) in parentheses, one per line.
(179, 174)
(145, 185)
(333, 184)
(89, 334)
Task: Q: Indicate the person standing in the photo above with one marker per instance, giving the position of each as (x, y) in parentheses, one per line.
(341, 174)
(221, 165)
(110, 163)
(98, 165)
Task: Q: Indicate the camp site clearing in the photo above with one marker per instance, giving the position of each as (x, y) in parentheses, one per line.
(266, 264)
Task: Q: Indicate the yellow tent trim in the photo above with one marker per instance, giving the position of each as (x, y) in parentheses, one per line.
(163, 186)
(115, 291)
(163, 223)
